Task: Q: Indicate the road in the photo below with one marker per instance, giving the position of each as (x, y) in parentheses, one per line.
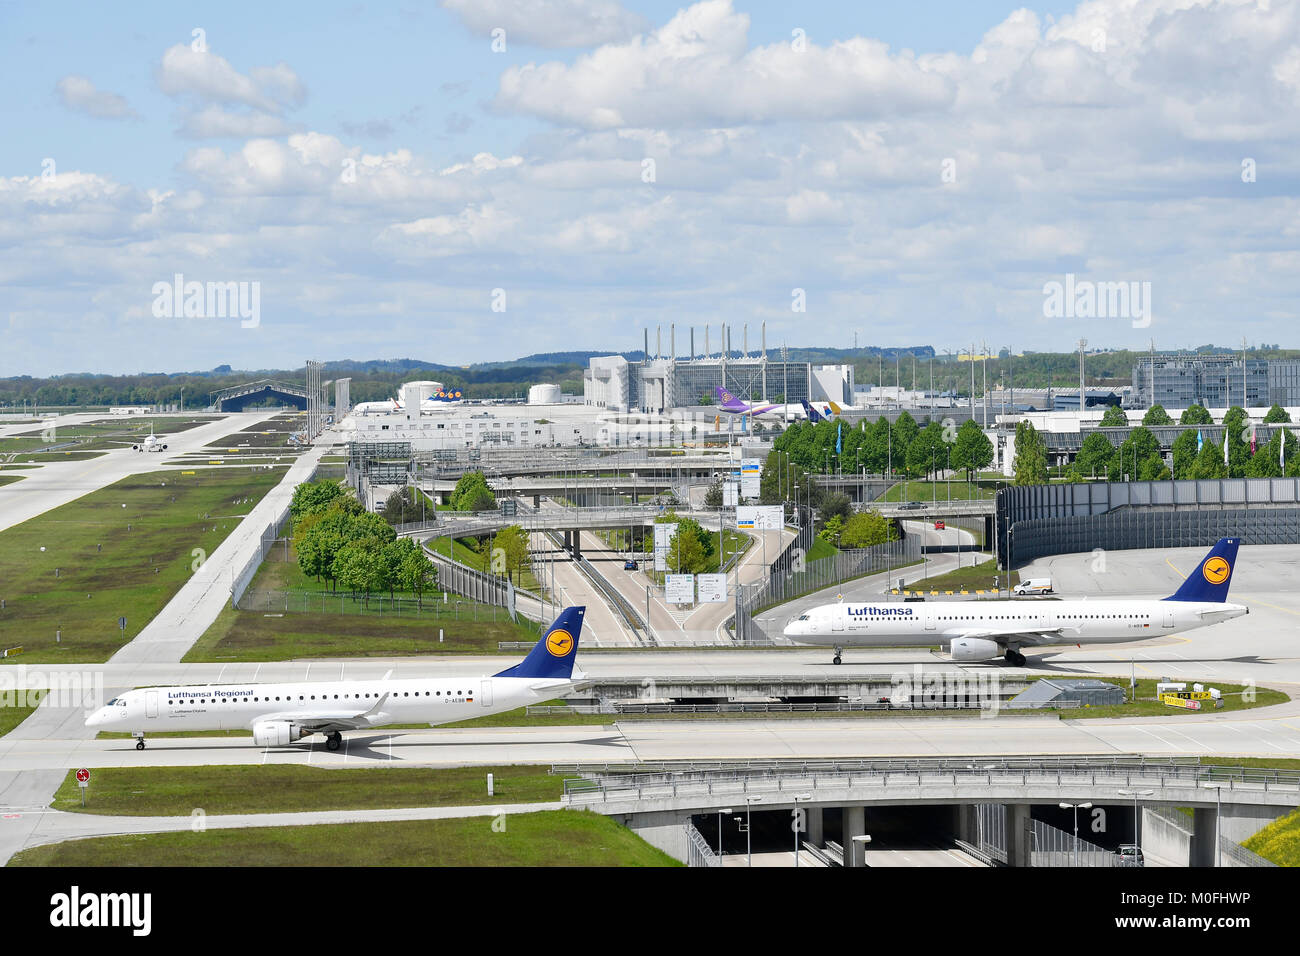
(602, 626)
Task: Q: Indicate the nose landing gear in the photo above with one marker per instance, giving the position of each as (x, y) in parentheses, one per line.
(838, 651)
(333, 741)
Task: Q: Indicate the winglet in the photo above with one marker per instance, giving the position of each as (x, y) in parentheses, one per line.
(1210, 580)
(553, 655)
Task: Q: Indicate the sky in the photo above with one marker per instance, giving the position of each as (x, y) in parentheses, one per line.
(476, 180)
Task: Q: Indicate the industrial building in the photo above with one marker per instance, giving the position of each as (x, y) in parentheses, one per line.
(667, 381)
(1177, 380)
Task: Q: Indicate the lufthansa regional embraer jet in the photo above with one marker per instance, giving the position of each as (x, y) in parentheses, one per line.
(279, 714)
(985, 630)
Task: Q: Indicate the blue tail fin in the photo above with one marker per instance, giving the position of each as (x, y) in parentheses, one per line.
(553, 655)
(1210, 580)
(812, 413)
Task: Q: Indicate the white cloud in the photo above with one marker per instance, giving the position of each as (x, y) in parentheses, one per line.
(78, 93)
(213, 122)
(210, 78)
(549, 23)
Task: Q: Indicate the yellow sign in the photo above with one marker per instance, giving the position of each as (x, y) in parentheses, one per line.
(1216, 570)
(1174, 701)
(13, 651)
(559, 643)
(187, 472)
(1193, 695)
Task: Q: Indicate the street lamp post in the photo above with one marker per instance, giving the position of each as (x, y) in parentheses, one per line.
(1076, 807)
(1137, 832)
(749, 839)
(1218, 815)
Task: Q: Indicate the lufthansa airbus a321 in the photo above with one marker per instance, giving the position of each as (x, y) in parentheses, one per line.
(279, 714)
(987, 630)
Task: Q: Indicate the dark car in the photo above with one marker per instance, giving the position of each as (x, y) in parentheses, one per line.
(629, 565)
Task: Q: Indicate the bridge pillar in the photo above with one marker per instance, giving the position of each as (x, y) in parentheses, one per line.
(577, 545)
(816, 828)
(990, 541)
(1020, 835)
(537, 501)
(568, 541)
(1204, 825)
(855, 824)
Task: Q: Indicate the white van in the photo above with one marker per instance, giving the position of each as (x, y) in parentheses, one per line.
(1034, 586)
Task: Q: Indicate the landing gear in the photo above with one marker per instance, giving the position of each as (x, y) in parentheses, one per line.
(333, 741)
(837, 659)
(1015, 658)
(139, 743)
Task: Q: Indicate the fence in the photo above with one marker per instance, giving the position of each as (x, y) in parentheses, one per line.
(805, 577)
(436, 606)
(698, 851)
(264, 547)
(1053, 847)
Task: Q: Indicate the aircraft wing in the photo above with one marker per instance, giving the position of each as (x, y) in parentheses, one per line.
(326, 721)
(1024, 636)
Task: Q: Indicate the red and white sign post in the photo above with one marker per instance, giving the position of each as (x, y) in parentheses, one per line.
(83, 781)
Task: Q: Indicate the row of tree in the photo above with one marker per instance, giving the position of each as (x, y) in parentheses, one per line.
(862, 529)
(339, 542)
(899, 446)
(1116, 417)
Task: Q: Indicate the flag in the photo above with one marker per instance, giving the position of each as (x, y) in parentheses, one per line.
(1281, 449)
(1225, 446)
(839, 437)
(1199, 441)
(1252, 438)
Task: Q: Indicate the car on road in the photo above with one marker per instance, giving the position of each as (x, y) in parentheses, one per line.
(1130, 855)
(912, 505)
(1034, 586)
(629, 565)
(940, 526)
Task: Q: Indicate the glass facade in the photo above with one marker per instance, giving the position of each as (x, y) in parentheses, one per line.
(1216, 381)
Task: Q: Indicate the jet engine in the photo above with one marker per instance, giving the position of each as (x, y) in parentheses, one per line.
(277, 733)
(974, 649)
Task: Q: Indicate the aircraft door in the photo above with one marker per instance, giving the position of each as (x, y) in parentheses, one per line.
(485, 693)
(1169, 619)
(929, 620)
(151, 703)
(838, 615)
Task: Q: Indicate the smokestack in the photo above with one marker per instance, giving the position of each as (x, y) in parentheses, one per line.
(645, 349)
(692, 343)
(765, 341)
(659, 341)
(744, 338)
(672, 341)
(707, 352)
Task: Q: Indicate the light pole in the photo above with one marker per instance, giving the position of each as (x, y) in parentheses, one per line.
(1137, 832)
(1218, 815)
(1076, 807)
(720, 813)
(795, 824)
(749, 840)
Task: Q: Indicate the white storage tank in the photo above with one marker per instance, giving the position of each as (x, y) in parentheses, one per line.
(544, 395)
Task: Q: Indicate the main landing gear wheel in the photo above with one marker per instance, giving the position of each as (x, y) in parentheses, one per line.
(333, 741)
(139, 744)
(1015, 658)
(837, 659)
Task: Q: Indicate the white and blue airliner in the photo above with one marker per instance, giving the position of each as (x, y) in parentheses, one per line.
(279, 714)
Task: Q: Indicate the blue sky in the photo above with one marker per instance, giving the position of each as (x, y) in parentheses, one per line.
(912, 166)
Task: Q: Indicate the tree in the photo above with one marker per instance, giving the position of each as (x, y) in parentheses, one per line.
(1277, 415)
(403, 506)
(472, 493)
(1196, 415)
(1184, 453)
(417, 574)
(359, 567)
(686, 553)
(971, 449)
(713, 497)
(1030, 464)
(1132, 461)
(928, 450)
(867, 528)
(1209, 462)
(509, 551)
(834, 504)
(832, 530)
(1156, 415)
(1114, 417)
(1095, 455)
(1236, 430)
(905, 430)
(313, 497)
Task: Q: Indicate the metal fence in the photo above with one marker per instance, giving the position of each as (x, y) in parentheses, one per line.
(803, 577)
(264, 547)
(698, 851)
(436, 606)
(1053, 847)
(1234, 854)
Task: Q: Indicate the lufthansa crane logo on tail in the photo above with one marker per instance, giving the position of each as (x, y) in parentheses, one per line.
(559, 643)
(1216, 570)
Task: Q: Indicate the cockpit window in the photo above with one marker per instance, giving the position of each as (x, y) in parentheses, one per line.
(116, 702)
(803, 617)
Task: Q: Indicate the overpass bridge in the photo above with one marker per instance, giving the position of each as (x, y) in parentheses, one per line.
(659, 800)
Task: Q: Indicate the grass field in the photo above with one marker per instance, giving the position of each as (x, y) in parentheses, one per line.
(979, 576)
(258, 636)
(176, 791)
(938, 490)
(1279, 841)
(458, 550)
(10, 479)
(552, 838)
(106, 571)
(14, 710)
(1146, 704)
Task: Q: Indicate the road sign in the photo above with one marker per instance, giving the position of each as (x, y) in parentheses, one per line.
(713, 588)
(1173, 701)
(83, 776)
(679, 588)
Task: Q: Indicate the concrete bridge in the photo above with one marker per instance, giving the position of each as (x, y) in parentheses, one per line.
(659, 801)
